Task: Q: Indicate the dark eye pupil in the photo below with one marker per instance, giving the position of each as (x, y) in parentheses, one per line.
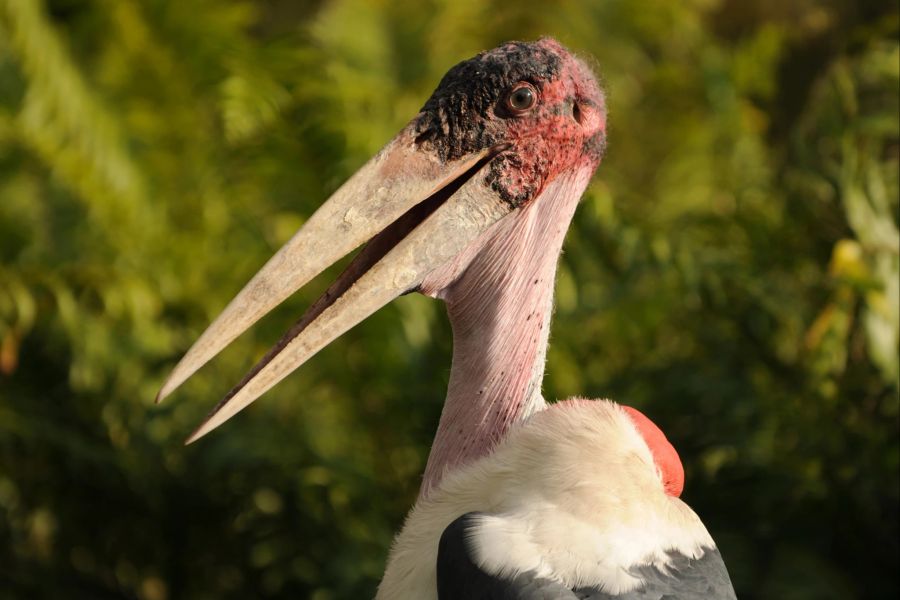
(522, 98)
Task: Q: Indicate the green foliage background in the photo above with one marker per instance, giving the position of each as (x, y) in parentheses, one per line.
(733, 271)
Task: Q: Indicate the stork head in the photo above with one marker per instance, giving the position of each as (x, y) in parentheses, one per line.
(502, 130)
(535, 100)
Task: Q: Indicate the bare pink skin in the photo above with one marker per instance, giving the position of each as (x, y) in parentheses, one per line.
(664, 454)
(499, 292)
(552, 138)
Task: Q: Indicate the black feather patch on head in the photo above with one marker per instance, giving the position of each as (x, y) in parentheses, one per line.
(454, 120)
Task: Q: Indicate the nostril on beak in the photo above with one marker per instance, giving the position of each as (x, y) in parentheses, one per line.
(576, 112)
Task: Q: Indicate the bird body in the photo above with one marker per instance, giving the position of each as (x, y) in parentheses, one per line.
(470, 203)
(572, 501)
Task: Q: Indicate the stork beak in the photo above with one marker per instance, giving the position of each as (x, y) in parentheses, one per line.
(416, 212)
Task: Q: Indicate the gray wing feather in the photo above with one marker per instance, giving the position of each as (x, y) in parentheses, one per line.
(705, 578)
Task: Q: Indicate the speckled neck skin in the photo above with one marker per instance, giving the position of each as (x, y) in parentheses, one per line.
(500, 310)
(499, 291)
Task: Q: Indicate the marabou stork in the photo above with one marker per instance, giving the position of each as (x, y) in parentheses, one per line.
(470, 203)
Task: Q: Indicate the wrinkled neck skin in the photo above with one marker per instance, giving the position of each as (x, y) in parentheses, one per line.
(500, 303)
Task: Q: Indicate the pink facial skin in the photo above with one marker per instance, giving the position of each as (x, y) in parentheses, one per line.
(564, 129)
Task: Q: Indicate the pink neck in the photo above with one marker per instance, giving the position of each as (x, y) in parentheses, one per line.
(500, 309)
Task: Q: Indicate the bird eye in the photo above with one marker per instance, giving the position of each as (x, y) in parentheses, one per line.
(521, 98)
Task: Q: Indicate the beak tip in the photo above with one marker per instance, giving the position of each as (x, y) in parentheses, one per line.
(196, 435)
(212, 421)
(168, 386)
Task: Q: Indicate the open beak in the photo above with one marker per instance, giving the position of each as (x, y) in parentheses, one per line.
(416, 212)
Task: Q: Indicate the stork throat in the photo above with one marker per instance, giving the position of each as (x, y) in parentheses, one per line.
(500, 307)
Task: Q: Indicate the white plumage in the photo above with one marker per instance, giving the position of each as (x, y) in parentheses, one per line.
(572, 494)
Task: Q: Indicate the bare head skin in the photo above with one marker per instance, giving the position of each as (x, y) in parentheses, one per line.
(536, 97)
